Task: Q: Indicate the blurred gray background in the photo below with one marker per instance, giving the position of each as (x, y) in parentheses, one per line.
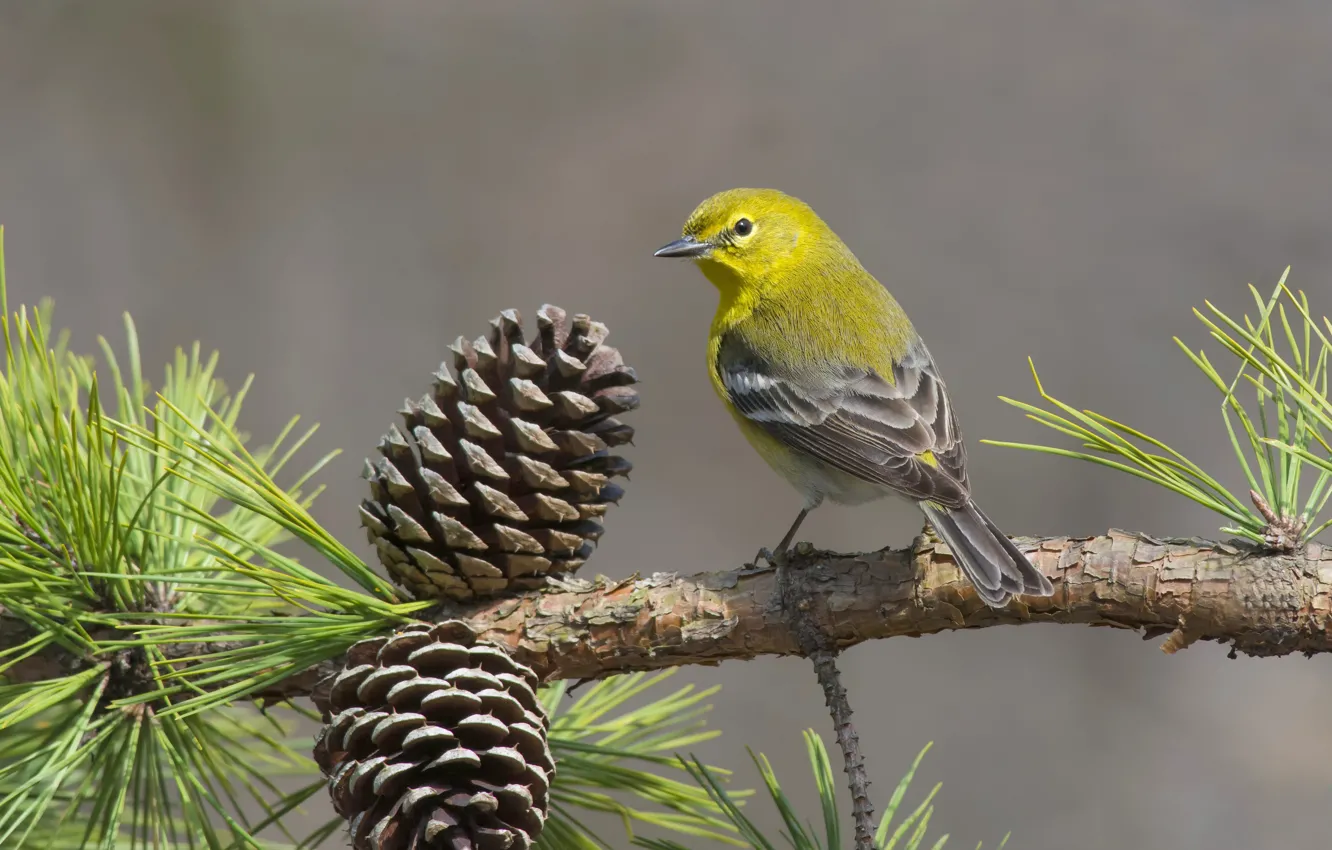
(329, 192)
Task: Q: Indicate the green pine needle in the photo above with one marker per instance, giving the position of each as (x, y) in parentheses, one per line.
(1279, 439)
(126, 532)
(907, 834)
(616, 760)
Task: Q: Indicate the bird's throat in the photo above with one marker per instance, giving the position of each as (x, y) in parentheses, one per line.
(736, 301)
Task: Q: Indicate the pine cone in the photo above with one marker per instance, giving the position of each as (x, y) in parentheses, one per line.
(436, 740)
(503, 474)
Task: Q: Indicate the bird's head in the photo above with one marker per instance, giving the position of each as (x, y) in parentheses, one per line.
(748, 237)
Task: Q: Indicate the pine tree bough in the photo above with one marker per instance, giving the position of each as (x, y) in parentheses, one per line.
(1260, 604)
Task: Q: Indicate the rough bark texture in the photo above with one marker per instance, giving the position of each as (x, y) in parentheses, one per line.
(1190, 589)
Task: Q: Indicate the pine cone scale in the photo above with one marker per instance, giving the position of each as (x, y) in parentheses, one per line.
(436, 740)
(501, 474)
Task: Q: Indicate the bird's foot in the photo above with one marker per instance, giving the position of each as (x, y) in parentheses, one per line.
(775, 560)
(761, 557)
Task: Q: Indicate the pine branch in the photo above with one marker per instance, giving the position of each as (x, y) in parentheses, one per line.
(1192, 589)
(1260, 604)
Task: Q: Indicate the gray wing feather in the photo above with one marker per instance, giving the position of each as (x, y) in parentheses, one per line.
(857, 421)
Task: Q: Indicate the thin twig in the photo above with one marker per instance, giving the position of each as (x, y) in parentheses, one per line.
(816, 646)
(857, 778)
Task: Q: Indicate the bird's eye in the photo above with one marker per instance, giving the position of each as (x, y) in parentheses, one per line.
(743, 227)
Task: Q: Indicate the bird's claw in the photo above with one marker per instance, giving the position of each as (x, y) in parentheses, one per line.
(775, 560)
(764, 555)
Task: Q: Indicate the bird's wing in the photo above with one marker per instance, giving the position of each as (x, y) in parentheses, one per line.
(900, 432)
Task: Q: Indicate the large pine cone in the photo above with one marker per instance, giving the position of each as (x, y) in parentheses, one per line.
(504, 473)
(436, 742)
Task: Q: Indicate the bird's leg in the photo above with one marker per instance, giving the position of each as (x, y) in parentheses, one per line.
(778, 558)
(780, 554)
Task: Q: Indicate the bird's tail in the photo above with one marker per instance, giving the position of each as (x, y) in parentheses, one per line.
(996, 567)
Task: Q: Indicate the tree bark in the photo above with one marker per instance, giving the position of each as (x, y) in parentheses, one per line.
(1260, 604)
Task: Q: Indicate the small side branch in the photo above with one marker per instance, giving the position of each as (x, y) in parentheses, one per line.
(857, 778)
(816, 646)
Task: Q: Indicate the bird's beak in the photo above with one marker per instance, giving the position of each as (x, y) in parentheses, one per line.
(688, 247)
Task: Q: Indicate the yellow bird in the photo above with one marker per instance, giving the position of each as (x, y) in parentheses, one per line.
(829, 381)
